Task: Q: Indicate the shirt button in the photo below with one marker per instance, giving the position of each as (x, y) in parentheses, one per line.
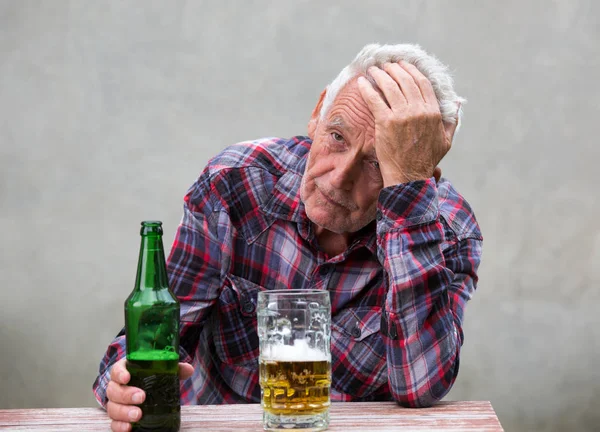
(248, 307)
(356, 332)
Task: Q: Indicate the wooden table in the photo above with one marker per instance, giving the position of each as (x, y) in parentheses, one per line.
(357, 416)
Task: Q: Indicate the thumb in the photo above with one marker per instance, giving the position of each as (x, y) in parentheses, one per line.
(185, 370)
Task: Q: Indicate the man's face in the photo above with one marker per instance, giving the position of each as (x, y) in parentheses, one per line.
(342, 181)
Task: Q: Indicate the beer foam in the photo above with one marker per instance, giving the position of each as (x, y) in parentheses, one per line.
(300, 351)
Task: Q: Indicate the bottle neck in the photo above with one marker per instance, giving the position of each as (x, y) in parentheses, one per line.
(152, 269)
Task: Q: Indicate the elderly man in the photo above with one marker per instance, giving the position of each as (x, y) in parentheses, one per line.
(357, 208)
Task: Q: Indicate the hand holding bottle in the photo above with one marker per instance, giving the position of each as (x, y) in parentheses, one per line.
(122, 399)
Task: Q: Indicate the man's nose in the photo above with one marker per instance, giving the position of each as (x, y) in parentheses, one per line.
(345, 173)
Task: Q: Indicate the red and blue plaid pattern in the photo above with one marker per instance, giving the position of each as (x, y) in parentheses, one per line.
(398, 293)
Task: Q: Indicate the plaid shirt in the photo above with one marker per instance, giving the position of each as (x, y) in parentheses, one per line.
(397, 293)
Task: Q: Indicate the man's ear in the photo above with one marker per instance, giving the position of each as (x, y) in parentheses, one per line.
(314, 118)
(451, 128)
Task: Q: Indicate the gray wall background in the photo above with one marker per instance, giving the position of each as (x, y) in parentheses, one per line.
(110, 109)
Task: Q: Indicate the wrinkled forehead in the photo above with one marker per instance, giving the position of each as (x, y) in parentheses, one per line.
(349, 109)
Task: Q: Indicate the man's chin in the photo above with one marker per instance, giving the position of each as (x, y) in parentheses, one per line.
(322, 219)
(334, 229)
(339, 226)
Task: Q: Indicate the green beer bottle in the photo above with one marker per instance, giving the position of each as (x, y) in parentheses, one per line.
(152, 336)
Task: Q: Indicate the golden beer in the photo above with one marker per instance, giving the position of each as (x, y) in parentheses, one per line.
(294, 333)
(295, 387)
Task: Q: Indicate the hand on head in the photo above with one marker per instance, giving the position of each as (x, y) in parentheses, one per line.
(410, 136)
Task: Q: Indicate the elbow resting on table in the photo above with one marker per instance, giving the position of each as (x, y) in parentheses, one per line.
(418, 401)
(430, 392)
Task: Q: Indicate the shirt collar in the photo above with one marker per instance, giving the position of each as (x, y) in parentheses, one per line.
(285, 202)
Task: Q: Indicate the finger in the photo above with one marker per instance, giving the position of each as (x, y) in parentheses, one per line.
(119, 373)
(123, 394)
(405, 80)
(373, 100)
(422, 82)
(124, 413)
(390, 88)
(186, 370)
(119, 426)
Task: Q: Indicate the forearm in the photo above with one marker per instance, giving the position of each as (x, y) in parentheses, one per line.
(420, 326)
(422, 358)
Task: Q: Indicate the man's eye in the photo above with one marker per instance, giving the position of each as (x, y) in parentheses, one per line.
(337, 137)
(375, 164)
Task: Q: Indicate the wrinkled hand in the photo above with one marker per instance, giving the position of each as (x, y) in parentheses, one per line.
(410, 136)
(123, 398)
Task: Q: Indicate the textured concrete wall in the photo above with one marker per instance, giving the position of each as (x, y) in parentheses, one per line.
(110, 109)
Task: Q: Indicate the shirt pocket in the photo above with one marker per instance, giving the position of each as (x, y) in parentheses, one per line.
(235, 333)
(358, 353)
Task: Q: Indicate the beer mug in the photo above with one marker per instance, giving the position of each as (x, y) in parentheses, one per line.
(295, 358)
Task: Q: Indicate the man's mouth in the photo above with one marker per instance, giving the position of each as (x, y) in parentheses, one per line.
(333, 201)
(330, 200)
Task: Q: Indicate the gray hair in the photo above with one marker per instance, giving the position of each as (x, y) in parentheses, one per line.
(428, 65)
